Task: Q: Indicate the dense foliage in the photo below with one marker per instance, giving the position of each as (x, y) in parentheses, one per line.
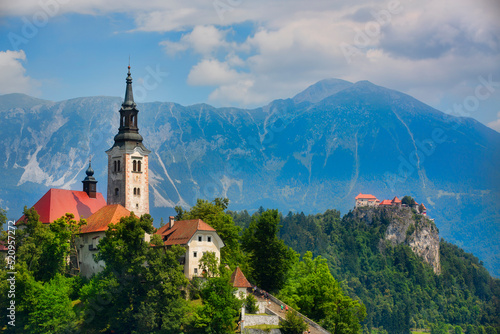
(399, 290)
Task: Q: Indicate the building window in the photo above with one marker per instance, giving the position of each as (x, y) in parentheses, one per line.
(137, 205)
(117, 191)
(115, 166)
(135, 191)
(134, 166)
(119, 165)
(138, 166)
(200, 238)
(196, 270)
(209, 239)
(195, 254)
(138, 191)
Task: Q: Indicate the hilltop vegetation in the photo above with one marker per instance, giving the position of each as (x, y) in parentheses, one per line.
(340, 272)
(399, 290)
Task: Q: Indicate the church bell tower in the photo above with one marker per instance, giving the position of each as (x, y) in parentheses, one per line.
(128, 166)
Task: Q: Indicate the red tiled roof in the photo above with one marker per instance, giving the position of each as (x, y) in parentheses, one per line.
(396, 200)
(239, 280)
(3, 248)
(423, 206)
(182, 231)
(100, 220)
(366, 196)
(57, 202)
(386, 202)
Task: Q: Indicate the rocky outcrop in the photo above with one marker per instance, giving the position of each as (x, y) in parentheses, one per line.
(406, 226)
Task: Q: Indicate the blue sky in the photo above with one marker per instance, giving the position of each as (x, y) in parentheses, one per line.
(247, 53)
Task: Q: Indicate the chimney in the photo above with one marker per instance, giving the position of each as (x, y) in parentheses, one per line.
(171, 221)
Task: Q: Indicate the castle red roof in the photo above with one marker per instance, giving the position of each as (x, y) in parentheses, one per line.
(239, 280)
(366, 196)
(100, 220)
(57, 202)
(396, 200)
(182, 231)
(423, 206)
(386, 202)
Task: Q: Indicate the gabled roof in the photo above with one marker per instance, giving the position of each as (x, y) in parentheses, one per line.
(182, 231)
(239, 280)
(423, 207)
(57, 202)
(386, 202)
(396, 200)
(100, 220)
(366, 196)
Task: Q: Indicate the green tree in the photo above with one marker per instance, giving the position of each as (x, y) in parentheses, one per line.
(141, 290)
(251, 304)
(46, 248)
(408, 200)
(220, 308)
(293, 323)
(209, 264)
(312, 289)
(51, 309)
(439, 328)
(270, 259)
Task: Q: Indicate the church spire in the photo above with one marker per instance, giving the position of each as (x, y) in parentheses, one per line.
(129, 95)
(89, 183)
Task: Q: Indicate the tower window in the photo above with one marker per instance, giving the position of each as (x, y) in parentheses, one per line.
(115, 166)
(138, 191)
(135, 191)
(134, 166)
(139, 166)
(117, 191)
(118, 165)
(137, 205)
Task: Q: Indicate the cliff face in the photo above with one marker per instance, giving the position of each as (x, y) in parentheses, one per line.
(404, 225)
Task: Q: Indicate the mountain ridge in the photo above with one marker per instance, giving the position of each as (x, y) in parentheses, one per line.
(293, 156)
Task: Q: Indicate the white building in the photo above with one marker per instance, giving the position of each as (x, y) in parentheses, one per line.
(366, 200)
(197, 237)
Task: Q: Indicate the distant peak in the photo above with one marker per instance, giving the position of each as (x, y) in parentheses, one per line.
(321, 89)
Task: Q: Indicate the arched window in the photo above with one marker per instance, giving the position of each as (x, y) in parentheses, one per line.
(118, 165)
(117, 191)
(115, 165)
(135, 191)
(138, 191)
(134, 164)
(139, 166)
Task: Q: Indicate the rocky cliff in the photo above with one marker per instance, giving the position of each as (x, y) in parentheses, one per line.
(405, 225)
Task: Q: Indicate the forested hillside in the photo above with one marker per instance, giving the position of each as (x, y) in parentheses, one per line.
(399, 290)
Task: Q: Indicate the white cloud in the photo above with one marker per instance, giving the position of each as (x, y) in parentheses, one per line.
(204, 40)
(211, 72)
(14, 78)
(495, 125)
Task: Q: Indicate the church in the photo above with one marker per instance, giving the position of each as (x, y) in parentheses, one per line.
(128, 191)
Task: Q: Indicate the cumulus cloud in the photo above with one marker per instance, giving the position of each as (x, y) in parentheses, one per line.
(204, 40)
(434, 50)
(14, 75)
(495, 125)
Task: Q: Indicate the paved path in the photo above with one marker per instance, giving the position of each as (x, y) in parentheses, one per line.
(277, 309)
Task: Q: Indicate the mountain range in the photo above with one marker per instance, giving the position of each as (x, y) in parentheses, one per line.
(313, 152)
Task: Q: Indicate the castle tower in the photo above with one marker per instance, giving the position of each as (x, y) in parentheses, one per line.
(128, 182)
